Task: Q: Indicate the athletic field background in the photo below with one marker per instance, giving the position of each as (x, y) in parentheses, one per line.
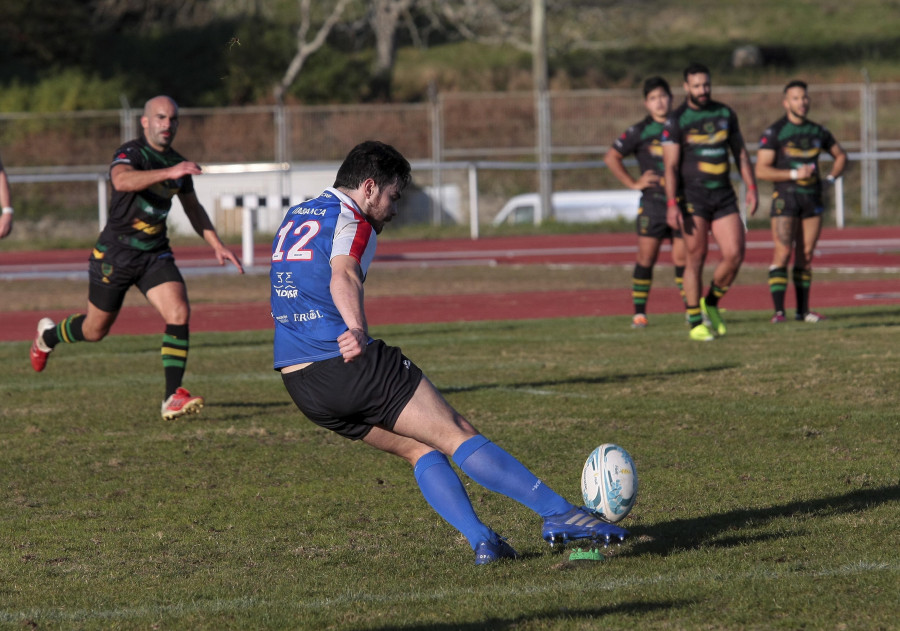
(767, 459)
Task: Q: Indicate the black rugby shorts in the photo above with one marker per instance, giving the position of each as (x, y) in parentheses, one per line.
(796, 205)
(651, 220)
(711, 204)
(350, 397)
(113, 270)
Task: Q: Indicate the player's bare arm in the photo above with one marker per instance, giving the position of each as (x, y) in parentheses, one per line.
(6, 219)
(840, 160)
(126, 178)
(765, 169)
(671, 158)
(742, 157)
(614, 160)
(347, 293)
(5, 200)
(203, 226)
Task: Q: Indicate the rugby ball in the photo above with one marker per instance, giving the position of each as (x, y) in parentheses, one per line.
(609, 482)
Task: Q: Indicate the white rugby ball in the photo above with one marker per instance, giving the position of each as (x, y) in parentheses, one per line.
(609, 482)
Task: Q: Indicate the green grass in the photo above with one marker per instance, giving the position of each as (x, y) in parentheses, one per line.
(767, 460)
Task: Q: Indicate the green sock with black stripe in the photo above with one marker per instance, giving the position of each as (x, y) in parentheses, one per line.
(802, 280)
(679, 280)
(778, 287)
(695, 315)
(174, 356)
(68, 331)
(640, 287)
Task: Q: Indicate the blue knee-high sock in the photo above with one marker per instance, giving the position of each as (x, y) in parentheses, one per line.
(446, 494)
(496, 470)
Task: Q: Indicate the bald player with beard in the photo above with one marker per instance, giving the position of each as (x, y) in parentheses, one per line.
(133, 249)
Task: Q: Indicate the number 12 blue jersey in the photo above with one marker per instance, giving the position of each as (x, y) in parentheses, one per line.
(307, 322)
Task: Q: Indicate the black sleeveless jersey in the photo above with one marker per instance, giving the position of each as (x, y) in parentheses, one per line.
(705, 137)
(794, 146)
(643, 139)
(137, 219)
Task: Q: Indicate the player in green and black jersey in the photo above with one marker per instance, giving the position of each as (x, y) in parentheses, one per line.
(789, 156)
(643, 139)
(137, 218)
(697, 139)
(133, 249)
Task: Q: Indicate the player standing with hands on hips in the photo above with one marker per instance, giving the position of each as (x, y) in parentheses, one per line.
(133, 249)
(789, 156)
(696, 140)
(643, 140)
(359, 387)
(6, 218)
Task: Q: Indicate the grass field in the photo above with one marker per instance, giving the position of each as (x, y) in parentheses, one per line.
(768, 465)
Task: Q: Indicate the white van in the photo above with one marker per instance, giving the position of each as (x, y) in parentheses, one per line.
(573, 206)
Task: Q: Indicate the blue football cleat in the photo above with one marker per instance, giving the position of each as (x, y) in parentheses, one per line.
(488, 552)
(580, 523)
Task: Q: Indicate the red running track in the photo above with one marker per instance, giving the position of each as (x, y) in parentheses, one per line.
(852, 249)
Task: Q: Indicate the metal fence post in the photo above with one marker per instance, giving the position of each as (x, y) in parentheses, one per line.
(839, 202)
(866, 122)
(545, 176)
(102, 204)
(251, 204)
(473, 200)
(872, 114)
(437, 197)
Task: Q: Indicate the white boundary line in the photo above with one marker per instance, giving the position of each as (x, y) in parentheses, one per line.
(700, 575)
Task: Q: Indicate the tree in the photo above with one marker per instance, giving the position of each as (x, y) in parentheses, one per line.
(493, 22)
(306, 47)
(144, 15)
(384, 20)
(570, 23)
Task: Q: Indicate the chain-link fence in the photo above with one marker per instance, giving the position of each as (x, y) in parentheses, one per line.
(55, 159)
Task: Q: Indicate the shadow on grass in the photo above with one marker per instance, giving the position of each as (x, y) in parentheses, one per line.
(685, 534)
(604, 379)
(885, 318)
(893, 314)
(252, 405)
(562, 615)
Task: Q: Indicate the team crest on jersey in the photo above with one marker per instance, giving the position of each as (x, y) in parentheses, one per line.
(284, 286)
(106, 269)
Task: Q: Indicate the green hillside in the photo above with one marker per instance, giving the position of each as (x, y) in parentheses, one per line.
(231, 61)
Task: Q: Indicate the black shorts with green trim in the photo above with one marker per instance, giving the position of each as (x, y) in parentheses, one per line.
(350, 397)
(711, 203)
(112, 270)
(651, 219)
(800, 205)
